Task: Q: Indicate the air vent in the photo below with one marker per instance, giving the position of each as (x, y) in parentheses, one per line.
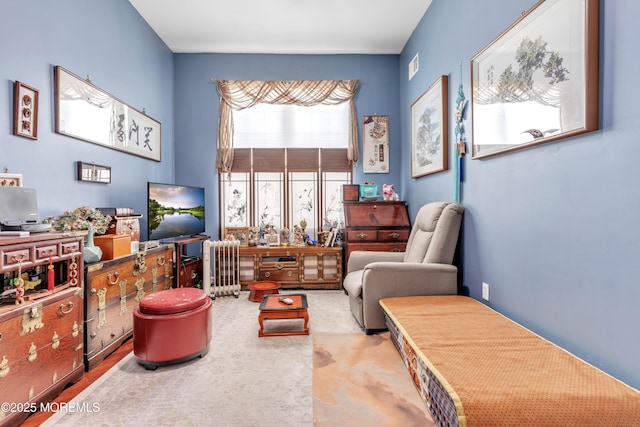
(414, 65)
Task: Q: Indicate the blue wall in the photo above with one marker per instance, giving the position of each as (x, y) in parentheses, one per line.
(110, 42)
(552, 228)
(197, 106)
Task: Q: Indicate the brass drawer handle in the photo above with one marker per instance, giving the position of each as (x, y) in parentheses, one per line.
(267, 274)
(115, 275)
(18, 258)
(161, 260)
(289, 273)
(394, 235)
(279, 266)
(70, 305)
(362, 236)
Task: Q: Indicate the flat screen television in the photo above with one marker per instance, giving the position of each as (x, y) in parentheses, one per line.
(174, 211)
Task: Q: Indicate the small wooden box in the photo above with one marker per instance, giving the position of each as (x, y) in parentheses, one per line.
(113, 245)
(129, 225)
(350, 192)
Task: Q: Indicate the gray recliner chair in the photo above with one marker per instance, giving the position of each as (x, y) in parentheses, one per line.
(423, 269)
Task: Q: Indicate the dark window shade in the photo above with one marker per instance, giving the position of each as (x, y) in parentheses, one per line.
(241, 160)
(298, 160)
(302, 159)
(334, 160)
(268, 159)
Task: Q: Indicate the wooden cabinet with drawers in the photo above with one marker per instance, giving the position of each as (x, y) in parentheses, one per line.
(307, 267)
(112, 293)
(40, 337)
(376, 226)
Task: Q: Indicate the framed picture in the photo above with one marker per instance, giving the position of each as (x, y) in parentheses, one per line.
(430, 130)
(375, 144)
(237, 233)
(25, 111)
(10, 180)
(534, 83)
(272, 239)
(86, 112)
(93, 173)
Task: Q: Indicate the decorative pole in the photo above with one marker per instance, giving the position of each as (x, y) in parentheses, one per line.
(460, 150)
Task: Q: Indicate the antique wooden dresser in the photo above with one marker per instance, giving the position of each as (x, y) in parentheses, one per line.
(307, 267)
(112, 292)
(40, 329)
(375, 226)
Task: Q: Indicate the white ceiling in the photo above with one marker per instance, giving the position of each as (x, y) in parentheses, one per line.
(283, 26)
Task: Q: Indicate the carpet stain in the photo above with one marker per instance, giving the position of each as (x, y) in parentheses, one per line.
(322, 357)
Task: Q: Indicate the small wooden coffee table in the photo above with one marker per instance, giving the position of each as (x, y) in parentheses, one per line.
(272, 308)
(259, 289)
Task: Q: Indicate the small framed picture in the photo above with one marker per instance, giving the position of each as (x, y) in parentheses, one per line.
(25, 111)
(237, 233)
(10, 180)
(272, 239)
(93, 173)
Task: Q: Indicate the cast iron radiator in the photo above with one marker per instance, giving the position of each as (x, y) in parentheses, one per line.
(221, 267)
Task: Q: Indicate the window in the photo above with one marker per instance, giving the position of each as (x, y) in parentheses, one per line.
(285, 149)
(283, 186)
(278, 126)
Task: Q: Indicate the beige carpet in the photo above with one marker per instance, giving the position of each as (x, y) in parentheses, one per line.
(360, 380)
(243, 381)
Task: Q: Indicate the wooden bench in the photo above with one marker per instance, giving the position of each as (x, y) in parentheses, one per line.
(474, 367)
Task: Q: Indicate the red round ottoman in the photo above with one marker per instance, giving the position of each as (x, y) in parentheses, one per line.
(171, 326)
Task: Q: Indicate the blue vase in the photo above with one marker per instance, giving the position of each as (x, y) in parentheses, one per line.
(92, 253)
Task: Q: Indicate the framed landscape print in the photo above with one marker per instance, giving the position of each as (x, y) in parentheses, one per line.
(538, 80)
(430, 130)
(375, 144)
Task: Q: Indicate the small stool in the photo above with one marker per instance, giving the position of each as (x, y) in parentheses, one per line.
(171, 326)
(260, 289)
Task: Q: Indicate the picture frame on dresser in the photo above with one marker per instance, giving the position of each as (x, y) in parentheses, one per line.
(240, 234)
(25, 111)
(430, 130)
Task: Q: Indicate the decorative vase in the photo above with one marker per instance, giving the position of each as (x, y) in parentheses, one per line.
(92, 253)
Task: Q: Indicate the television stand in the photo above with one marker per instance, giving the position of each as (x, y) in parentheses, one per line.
(188, 268)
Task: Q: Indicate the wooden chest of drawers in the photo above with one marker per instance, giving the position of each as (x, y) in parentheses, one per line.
(376, 226)
(112, 292)
(41, 349)
(41, 339)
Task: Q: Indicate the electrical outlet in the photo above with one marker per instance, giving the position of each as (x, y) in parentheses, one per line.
(485, 291)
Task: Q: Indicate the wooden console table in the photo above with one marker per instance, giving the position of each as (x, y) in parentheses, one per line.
(307, 267)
